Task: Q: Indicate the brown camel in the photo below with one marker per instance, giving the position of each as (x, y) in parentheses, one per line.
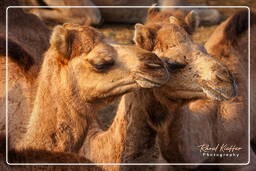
(163, 111)
(84, 72)
(190, 75)
(83, 16)
(65, 124)
(182, 125)
(89, 16)
(28, 39)
(94, 16)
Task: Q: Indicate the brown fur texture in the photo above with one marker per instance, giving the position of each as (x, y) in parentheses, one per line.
(133, 139)
(81, 73)
(199, 69)
(66, 44)
(188, 124)
(188, 22)
(215, 123)
(27, 40)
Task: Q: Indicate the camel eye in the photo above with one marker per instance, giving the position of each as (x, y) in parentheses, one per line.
(174, 64)
(102, 65)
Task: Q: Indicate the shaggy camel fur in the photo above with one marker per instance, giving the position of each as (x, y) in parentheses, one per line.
(84, 73)
(130, 118)
(184, 125)
(27, 40)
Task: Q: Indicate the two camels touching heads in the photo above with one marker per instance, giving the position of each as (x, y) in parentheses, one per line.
(196, 73)
(82, 72)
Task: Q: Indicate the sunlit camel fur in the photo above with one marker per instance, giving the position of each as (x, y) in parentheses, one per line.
(192, 70)
(28, 39)
(183, 125)
(81, 73)
(201, 74)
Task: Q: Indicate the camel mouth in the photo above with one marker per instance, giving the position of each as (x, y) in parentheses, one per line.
(116, 88)
(146, 81)
(122, 86)
(217, 93)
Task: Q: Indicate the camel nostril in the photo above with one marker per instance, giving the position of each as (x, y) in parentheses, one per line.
(154, 65)
(224, 76)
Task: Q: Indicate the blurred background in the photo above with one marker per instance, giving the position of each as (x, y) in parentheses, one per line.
(118, 24)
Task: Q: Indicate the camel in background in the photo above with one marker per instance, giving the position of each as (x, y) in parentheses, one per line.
(95, 16)
(28, 39)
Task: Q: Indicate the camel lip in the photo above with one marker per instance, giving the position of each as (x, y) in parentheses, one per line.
(146, 81)
(215, 93)
(118, 88)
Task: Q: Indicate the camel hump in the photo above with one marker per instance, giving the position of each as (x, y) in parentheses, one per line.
(238, 24)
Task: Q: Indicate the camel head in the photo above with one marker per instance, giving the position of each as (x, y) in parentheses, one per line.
(94, 69)
(194, 73)
(229, 44)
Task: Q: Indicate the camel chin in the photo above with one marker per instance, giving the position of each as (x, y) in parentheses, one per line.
(223, 93)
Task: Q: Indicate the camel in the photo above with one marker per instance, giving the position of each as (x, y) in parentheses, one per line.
(84, 72)
(154, 106)
(89, 16)
(183, 125)
(207, 16)
(95, 16)
(82, 16)
(40, 156)
(28, 38)
(130, 122)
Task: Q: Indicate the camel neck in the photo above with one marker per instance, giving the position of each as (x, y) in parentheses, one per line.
(59, 120)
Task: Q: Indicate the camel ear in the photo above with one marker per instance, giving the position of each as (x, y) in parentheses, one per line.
(153, 10)
(144, 37)
(173, 20)
(61, 40)
(192, 20)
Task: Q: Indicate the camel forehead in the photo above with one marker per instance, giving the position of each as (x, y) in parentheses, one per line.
(84, 39)
(131, 51)
(171, 35)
